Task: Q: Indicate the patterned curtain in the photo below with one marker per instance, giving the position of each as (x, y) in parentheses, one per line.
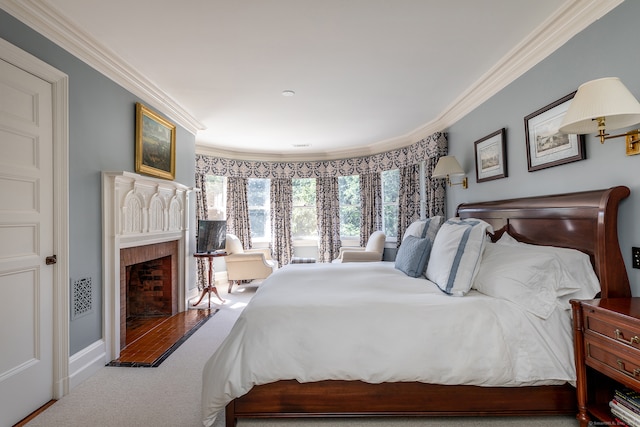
(370, 205)
(238, 210)
(426, 148)
(408, 199)
(201, 213)
(435, 189)
(281, 194)
(328, 213)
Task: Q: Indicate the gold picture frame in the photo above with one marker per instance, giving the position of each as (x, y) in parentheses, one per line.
(155, 144)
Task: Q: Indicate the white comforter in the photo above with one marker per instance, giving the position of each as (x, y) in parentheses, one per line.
(371, 322)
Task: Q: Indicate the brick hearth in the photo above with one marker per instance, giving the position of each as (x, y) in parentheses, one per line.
(148, 282)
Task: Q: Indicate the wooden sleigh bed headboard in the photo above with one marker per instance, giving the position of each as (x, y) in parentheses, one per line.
(586, 221)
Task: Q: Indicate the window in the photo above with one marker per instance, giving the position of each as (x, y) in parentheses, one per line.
(258, 201)
(216, 188)
(303, 220)
(304, 223)
(390, 192)
(349, 195)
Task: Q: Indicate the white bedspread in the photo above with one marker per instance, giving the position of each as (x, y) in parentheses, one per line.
(370, 322)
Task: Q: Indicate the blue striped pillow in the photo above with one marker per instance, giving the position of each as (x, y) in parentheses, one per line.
(456, 254)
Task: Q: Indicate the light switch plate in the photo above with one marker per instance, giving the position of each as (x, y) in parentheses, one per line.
(635, 257)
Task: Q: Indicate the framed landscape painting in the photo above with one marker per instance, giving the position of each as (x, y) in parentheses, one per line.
(155, 144)
(491, 156)
(546, 146)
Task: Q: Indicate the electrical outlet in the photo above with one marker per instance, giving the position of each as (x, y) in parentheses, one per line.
(635, 257)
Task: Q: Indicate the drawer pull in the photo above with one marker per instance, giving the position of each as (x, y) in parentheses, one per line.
(620, 337)
(633, 374)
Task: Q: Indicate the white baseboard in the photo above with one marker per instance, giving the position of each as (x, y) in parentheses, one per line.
(86, 363)
(220, 277)
(91, 359)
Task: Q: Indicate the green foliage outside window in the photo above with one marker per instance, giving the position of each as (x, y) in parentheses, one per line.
(258, 201)
(390, 191)
(216, 197)
(349, 190)
(304, 223)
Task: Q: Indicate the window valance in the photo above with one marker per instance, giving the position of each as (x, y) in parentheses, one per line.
(433, 146)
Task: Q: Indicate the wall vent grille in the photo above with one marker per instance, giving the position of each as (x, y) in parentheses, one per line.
(82, 298)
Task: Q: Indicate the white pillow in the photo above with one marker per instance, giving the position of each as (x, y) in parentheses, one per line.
(525, 277)
(578, 264)
(417, 227)
(456, 253)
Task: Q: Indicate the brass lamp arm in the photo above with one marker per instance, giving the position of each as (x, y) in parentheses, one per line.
(633, 137)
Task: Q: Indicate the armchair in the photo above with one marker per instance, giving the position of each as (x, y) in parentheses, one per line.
(247, 264)
(372, 252)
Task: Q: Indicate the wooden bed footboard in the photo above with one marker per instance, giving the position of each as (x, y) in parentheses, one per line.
(586, 221)
(286, 399)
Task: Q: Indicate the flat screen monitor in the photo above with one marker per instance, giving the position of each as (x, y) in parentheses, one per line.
(212, 236)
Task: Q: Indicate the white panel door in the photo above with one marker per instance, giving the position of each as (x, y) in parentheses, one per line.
(26, 240)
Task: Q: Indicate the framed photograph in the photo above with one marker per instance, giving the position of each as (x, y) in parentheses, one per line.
(546, 147)
(155, 144)
(491, 156)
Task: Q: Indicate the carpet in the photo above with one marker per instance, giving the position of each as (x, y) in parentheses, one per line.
(153, 348)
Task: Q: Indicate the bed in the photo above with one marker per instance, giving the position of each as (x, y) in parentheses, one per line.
(586, 221)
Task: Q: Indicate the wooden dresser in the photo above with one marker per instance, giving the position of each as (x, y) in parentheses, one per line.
(607, 353)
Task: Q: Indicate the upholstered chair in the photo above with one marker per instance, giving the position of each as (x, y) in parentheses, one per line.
(372, 252)
(247, 264)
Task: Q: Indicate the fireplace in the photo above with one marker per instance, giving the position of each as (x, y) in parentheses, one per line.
(145, 221)
(148, 283)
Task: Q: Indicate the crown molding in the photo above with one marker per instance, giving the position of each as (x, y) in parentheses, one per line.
(44, 19)
(573, 17)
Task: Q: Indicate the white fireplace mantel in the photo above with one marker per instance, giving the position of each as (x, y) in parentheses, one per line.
(139, 210)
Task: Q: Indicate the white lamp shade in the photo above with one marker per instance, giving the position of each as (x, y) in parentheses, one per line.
(447, 165)
(606, 97)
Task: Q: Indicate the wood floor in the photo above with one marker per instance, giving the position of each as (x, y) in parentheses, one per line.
(151, 340)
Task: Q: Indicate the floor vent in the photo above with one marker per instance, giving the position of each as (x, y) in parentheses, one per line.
(81, 298)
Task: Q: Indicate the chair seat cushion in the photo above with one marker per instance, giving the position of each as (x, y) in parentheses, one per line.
(302, 260)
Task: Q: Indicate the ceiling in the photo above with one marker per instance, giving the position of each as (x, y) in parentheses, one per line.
(368, 75)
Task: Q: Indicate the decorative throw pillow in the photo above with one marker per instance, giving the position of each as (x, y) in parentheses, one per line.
(424, 228)
(412, 255)
(233, 245)
(456, 253)
(416, 228)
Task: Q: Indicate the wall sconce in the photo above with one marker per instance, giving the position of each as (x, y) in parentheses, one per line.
(600, 105)
(446, 166)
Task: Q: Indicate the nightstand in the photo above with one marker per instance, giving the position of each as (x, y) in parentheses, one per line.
(607, 353)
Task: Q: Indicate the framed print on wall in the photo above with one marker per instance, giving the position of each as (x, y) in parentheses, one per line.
(546, 147)
(155, 144)
(491, 156)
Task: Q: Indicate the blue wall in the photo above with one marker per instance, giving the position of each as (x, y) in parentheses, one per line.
(101, 138)
(609, 47)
